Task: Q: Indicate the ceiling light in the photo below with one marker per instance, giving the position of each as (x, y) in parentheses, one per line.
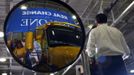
(90, 26)
(51, 73)
(131, 71)
(24, 7)
(4, 73)
(74, 17)
(1, 34)
(77, 36)
(3, 59)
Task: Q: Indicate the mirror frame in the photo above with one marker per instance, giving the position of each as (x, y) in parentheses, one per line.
(56, 1)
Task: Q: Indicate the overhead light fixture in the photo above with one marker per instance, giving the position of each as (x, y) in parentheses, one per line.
(74, 17)
(4, 73)
(51, 73)
(23, 7)
(90, 26)
(131, 71)
(77, 36)
(3, 59)
(1, 34)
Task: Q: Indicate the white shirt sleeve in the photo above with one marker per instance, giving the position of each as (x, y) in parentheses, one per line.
(124, 44)
(90, 48)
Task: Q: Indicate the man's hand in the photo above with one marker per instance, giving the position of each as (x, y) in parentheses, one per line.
(125, 56)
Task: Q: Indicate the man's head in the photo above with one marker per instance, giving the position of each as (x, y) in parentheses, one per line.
(101, 18)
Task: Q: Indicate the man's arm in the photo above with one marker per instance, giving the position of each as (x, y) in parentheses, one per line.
(90, 48)
(126, 48)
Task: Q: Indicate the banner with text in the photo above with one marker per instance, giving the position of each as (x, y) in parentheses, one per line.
(26, 20)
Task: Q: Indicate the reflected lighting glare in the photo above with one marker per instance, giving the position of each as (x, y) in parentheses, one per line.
(74, 17)
(1, 34)
(4, 73)
(131, 71)
(24, 7)
(53, 33)
(3, 59)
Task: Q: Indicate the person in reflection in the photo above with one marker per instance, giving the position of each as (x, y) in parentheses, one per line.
(108, 46)
(19, 50)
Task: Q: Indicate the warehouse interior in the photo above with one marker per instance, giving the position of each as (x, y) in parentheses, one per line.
(120, 15)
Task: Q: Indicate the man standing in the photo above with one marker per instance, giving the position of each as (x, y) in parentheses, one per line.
(107, 45)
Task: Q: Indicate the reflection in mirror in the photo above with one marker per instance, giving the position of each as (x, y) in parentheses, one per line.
(43, 36)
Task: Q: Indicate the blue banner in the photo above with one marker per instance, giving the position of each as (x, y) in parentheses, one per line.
(27, 20)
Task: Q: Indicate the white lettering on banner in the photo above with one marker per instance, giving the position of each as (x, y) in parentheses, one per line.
(43, 13)
(48, 13)
(60, 16)
(41, 21)
(37, 22)
(26, 13)
(24, 22)
(40, 17)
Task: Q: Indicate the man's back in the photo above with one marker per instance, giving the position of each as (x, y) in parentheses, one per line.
(109, 41)
(107, 45)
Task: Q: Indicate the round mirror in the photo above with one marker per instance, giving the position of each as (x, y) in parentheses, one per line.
(44, 36)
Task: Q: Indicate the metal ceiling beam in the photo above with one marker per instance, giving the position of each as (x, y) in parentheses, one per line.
(123, 14)
(86, 18)
(16, 68)
(107, 10)
(68, 68)
(7, 6)
(86, 9)
(112, 14)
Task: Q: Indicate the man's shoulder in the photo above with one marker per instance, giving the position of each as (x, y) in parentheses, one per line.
(115, 29)
(93, 31)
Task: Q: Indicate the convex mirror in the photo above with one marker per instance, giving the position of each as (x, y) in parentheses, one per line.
(44, 35)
